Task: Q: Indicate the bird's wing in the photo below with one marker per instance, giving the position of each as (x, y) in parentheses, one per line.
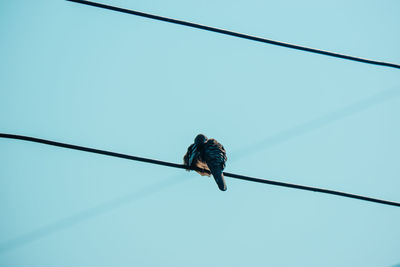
(187, 159)
(215, 154)
(192, 158)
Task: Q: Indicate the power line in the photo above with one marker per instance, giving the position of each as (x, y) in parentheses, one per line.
(181, 166)
(237, 34)
(84, 215)
(108, 206)
(318, 122)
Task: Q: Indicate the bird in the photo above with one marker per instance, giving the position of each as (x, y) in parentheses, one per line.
(209, 156)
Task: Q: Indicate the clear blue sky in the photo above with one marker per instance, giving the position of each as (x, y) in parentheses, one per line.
(97, 78)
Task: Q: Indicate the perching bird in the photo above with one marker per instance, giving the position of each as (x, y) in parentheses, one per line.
(207, 154)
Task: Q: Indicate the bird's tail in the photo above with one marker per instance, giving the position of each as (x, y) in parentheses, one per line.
(219, 179)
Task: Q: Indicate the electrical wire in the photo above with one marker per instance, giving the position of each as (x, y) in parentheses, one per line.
(181, 166)
(237, 34)
(84, 215)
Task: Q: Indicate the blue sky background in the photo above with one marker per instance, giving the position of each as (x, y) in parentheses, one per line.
(97, 78)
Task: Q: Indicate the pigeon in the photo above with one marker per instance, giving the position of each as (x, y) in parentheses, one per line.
(209, 155)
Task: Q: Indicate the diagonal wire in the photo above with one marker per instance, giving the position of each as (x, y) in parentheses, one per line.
(237, 34)
(110, 205)
(84, 215)
(317, 123)
(181, 166)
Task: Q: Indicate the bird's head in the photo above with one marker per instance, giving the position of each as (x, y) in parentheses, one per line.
(200, 139)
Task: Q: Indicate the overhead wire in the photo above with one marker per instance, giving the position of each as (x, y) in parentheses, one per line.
(317, 122)
(181, 166)
(66, 222)
(110, 205)
(237, 34)
(84, 215)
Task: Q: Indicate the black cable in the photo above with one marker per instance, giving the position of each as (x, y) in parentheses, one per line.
(309, 188)
(181, 166)
(97, 151)
(236, 34)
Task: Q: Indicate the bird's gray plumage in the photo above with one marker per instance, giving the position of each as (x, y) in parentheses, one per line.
(209, 155)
